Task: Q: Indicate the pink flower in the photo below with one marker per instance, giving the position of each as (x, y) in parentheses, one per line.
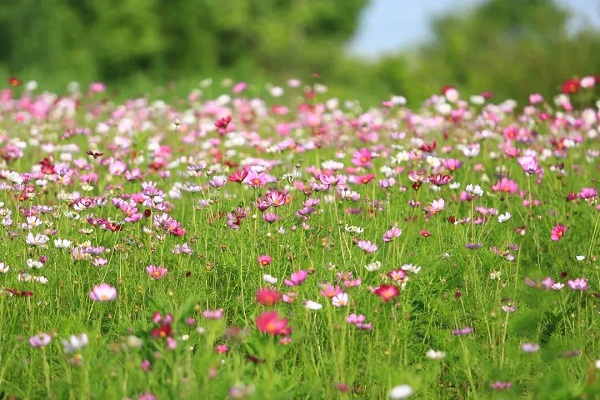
(264, 260)
(156, 272)
(270, 323)
(256, 179)
(103, 292)
(506, 186)
(558, 232)
(213, 314)
(296, 279)
(354, 319)
(367, 246)
(267, 296)
(392, 233)
(545, 284)
(387, 292)
(362, 158)
(578, 284)
(328, 290)
(40, 340)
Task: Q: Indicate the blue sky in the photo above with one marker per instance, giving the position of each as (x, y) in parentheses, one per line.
(389, 25)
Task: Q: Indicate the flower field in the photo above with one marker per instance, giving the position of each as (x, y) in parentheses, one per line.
(275, 243)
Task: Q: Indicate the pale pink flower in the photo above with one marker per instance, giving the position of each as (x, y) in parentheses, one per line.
(103, 292)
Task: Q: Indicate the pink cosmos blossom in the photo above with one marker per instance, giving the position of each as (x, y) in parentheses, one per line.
(264, 260)
(103, 292)
(269, 322)
(213, 314)
(578, 284)
(296, 279)
(156, 272)
(391, 234)
(256, 179)
(545, 283)
(328, 290)
(366, 246)
(387, 292)
(40, 340)
(362, 158)
(558, 232)
(505, 185)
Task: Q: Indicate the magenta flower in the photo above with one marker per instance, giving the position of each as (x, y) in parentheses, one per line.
(578, 284)
(156, 272)
(213, 314)
(464, 331)
(530, 347)
(558, 232)
(506, 186)
(296, 279)
(264, 260)
(103, 292)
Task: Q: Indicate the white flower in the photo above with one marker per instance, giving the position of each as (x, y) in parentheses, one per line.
(75, 343)
(269, 279)
(558, 286)
(374, 266)
(454, 185)
(495, 275)
(312, 305)
(41, 279)
(62, 243)
(411, 268)
(34, 263)
(400, 392)
(580, 258)
(37, 240)
(597, 364)
(504, 217)
(15, 177)
(474, 190)
(435, 355)
(4, 268)
(340, 299)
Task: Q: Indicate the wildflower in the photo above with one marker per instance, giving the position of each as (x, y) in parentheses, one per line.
(221, 349)
(270, 323)
(387, 292)
(340, 299)
(505, 185)
(374, 266)
(4, 268)
(367, 246)
(464, 331)
(103, 292)
(40, 340)
(578, 284)
(500, 385)
(328, 290)
(213, 314)
(391, 234)
(264, 260)
(558, 232)
(269, 279)
(530, 347)
(400, 392)
(62, 243)
(37, 240)
(580, 258)
(545, 284)
(312, 305)
(435, 355)
(504, 217)
(99, 262)
(296, 279)
(156, 272)
(474, 190)
(354, 319)
(267, 296)
(75, 342)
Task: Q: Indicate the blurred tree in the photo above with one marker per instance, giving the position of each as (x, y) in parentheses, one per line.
(113, 39)
(510, 47)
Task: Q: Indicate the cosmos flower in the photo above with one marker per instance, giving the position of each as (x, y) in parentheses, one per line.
(103, 292)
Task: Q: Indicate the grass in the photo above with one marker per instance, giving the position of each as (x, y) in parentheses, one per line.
(458, 321)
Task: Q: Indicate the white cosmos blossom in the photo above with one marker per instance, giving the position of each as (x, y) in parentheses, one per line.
(62, 243)
(75, 343)
(4, 268)
(37, 240)
(435, 355)
(374, 266)
(312, 305)
(340, 299)
(36, 264)
(269, 279)
(474, 190)
(400, 392)
(504, 217)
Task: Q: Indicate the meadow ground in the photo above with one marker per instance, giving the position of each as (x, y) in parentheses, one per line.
(274, 243)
